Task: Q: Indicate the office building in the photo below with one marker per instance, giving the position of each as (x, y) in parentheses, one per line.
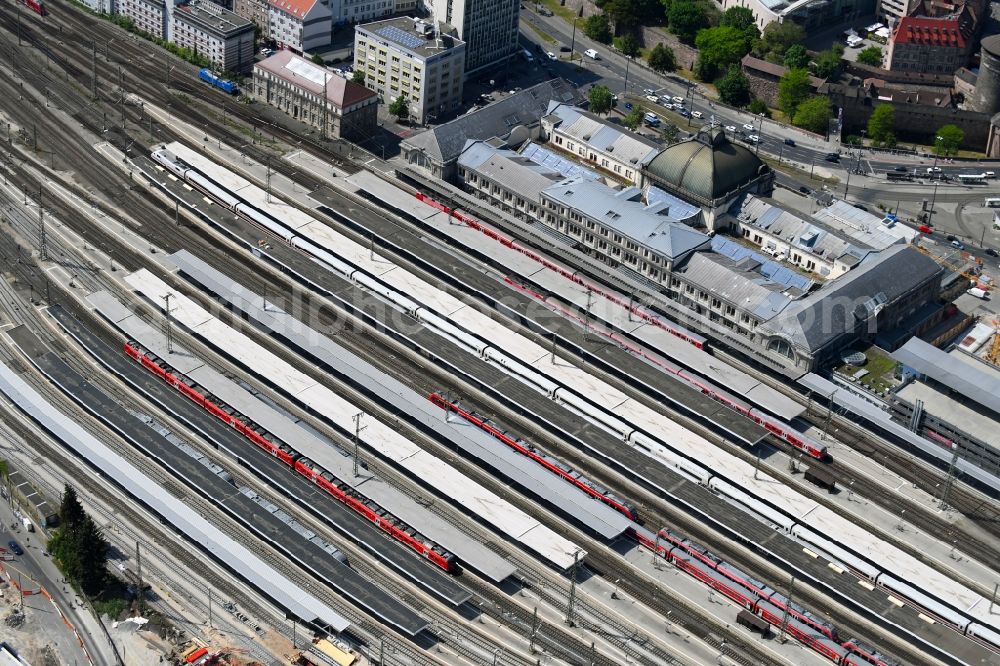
(488, 27)
(409, 58)
(299, 87)
(149, 16)
(300, 25)
(216, 33)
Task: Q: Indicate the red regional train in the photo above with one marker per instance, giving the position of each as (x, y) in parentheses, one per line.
(368, 509)
(37, 6)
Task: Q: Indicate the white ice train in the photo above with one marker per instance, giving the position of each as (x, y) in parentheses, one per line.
(692, 469)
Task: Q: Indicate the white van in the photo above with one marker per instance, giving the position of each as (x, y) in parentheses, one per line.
(591, 53)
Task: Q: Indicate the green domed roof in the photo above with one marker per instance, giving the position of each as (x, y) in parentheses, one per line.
(707, 166)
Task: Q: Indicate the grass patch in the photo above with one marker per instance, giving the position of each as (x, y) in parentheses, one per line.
(564, 13)
(113, 600)
(541, 33)
(796, 171)
(881, 370)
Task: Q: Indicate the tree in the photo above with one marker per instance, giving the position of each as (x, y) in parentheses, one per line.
(740, 18)
(720, 47)
(777, 38)
(796, 57)
(597, 28)
(948, 140)
(600, 99)
(870, 56)
(758, 107)
(661, 59)
(733, 87)
(628, 45)
(318, 59)
(79, 546)
(882, 125)
(686, 18)
(793, 89)
(71, 512)
(813, 114)
(358, 77)
(634, 117)
(630, 13)
(400, 108)
(705, 70)
(828, 64)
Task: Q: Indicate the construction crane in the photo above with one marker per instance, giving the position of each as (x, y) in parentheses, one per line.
(944, 261)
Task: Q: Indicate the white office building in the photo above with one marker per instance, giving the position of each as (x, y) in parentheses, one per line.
(407, 57)
(300, 25)
(488, 28)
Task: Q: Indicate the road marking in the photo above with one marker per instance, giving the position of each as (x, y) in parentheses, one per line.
(893, 600)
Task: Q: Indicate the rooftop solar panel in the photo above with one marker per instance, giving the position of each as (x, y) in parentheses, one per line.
(556, 162)
(401, 37)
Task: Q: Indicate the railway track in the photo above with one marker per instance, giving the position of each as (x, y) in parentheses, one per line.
(203, 117)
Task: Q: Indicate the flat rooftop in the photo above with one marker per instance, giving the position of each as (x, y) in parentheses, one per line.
(210, 17)
(968, 376)
(411, 35)
(956, 412)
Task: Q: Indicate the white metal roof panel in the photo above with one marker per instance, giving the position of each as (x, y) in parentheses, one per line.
(247, 565)
(468, 550)
(110, 307)
(368, 182)
(975, 380)
(181, 309)
(601, 518)
(465, 492)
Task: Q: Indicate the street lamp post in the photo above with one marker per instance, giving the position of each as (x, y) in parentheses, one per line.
(572, 42)
(628, 59)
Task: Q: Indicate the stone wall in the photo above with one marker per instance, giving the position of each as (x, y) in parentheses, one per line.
(686, 55)
(917, 121)
(763, 86)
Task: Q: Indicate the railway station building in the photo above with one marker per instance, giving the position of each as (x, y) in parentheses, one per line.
(316, 96)
(413, 59)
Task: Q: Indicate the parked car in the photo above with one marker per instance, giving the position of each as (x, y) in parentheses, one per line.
(748, 127)
(543, 10)
(651, 119)
(683, 113)
(550, 55)
(592, 54)
(696, 114)
(958, 244)
(15, 547)
(730, 128)
(993, 253)
(648, 91)
(804, 190)
(789, 142)
(753, 138)
(678, 100)
(653, 98)
(628, 106)
(952, 238)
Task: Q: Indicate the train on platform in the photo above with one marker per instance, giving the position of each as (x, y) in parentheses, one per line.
(37, 6)
(775, 426)
(591, 488)
(804, 529)
(303, 466)
(225, 85)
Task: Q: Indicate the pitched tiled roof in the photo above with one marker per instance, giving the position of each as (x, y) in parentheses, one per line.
(931, 31)
(298, 8)
(310, 76)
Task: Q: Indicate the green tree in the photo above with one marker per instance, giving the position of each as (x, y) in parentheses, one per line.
(870, 56)
(634, 117)
(358, 77)
(793, 89)
(733, 87)
(705, 70)
(71, 513)
(828, 64)
(597, 28)
(661, 59)
(686, 18)
(318, 59)
(627, 14)
(948, 140)
(882, 125)
(796, 57)
(600, 99)
(740, 18)
(777, 38)
(628, 45)
(400, 108)
(721, 47)
(758, 107)
(813, 114)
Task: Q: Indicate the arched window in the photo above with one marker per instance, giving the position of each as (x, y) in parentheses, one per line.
(781, 346)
